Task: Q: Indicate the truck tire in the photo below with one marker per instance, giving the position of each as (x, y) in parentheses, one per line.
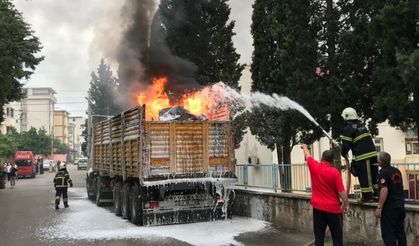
(117, 198)
(98, 191)
(90, 186)
(125, 202)
(136, 206)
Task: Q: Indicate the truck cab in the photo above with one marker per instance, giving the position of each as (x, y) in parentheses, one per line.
(25, 163)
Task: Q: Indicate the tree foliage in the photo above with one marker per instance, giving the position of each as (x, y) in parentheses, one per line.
(395, 28)
(102, 91)
(200, 32)
(284, 62)
(18, 48)
(9, 144)
(367, 58)
(33, 140)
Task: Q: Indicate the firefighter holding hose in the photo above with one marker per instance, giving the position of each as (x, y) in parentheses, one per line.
(356, 137)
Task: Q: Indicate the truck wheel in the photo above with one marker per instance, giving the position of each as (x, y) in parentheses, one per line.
(125, 202)
(98, 191)
(136, 206)
(90, 181)
(117, 198)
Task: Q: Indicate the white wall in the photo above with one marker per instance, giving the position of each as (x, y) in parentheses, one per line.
(78, 122)
(393, 141)
(38, 109)
(249, 145)
(11, 120)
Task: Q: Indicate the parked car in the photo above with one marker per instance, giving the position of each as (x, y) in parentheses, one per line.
(47, 164)
(82, 164)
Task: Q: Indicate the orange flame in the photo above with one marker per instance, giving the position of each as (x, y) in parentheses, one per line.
(197, 103)
(155, 98)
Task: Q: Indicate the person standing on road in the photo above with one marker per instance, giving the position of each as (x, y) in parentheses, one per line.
(13, 173)
(390, 209)
(61, 181)
(8, 168)
(327, 188)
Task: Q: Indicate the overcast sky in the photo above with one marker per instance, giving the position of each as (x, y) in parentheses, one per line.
(68, 30)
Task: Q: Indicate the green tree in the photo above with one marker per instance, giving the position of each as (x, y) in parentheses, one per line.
(36, 141)
(39, 142)
(396, 29)
(200, 32)
(9, 144)
(284, 62)
(347, 59)
(18, 48)
(61, 147)
(102, 91)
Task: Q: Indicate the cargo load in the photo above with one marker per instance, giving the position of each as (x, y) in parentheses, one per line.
(178, 170)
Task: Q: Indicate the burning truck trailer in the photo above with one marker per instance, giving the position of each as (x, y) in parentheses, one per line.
(176, 170)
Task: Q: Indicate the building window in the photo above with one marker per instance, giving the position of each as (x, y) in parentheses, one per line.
(7, 112)
(12, 113)
(412, 146)
(379, 146)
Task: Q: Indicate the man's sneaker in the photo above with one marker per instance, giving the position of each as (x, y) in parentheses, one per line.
(66, 205)
(56, 206)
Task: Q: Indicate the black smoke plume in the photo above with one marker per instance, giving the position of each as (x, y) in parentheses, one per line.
(143, 53)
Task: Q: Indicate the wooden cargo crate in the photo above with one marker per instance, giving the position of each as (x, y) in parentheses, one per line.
(129, 146)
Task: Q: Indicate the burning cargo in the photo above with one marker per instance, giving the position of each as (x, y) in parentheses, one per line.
(163, 172)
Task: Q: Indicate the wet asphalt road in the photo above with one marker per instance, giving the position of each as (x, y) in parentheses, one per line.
(27, 209)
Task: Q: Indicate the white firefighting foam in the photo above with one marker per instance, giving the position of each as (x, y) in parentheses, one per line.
(225, 95)
(85, 221)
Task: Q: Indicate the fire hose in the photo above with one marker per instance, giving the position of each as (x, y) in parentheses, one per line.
(334, 142)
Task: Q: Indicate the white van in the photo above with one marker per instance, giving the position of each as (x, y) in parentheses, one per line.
(82, 164)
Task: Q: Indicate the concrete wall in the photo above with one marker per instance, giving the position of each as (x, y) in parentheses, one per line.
(293, 211)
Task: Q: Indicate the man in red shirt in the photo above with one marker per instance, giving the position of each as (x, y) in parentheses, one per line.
(327, 188)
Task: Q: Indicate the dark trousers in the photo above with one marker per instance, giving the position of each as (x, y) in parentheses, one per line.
(367, 176)
(58, 193)
(321, 220)
(392, 226)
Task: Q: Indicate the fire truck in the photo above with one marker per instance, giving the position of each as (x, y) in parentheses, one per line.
(26, 164)
(162, 172)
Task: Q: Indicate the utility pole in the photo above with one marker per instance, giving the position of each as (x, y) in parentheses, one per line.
(89, 131)
(51, 120)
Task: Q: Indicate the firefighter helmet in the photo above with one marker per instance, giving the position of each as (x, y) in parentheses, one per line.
(62, 166)
(349, 114)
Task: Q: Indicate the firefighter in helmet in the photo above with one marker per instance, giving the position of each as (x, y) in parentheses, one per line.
(356, 137)
(61, 182)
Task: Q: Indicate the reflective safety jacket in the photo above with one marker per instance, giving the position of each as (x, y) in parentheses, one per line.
(62, 179)
(356, 137)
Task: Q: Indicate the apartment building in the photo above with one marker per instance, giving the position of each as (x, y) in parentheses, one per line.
(37, 109)
(75, 131)
(11, 114)
(61, 125)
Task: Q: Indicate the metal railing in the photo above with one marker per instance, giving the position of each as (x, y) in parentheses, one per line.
(296, 178)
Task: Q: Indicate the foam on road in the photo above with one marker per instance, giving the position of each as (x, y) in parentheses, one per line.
(85, 221)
